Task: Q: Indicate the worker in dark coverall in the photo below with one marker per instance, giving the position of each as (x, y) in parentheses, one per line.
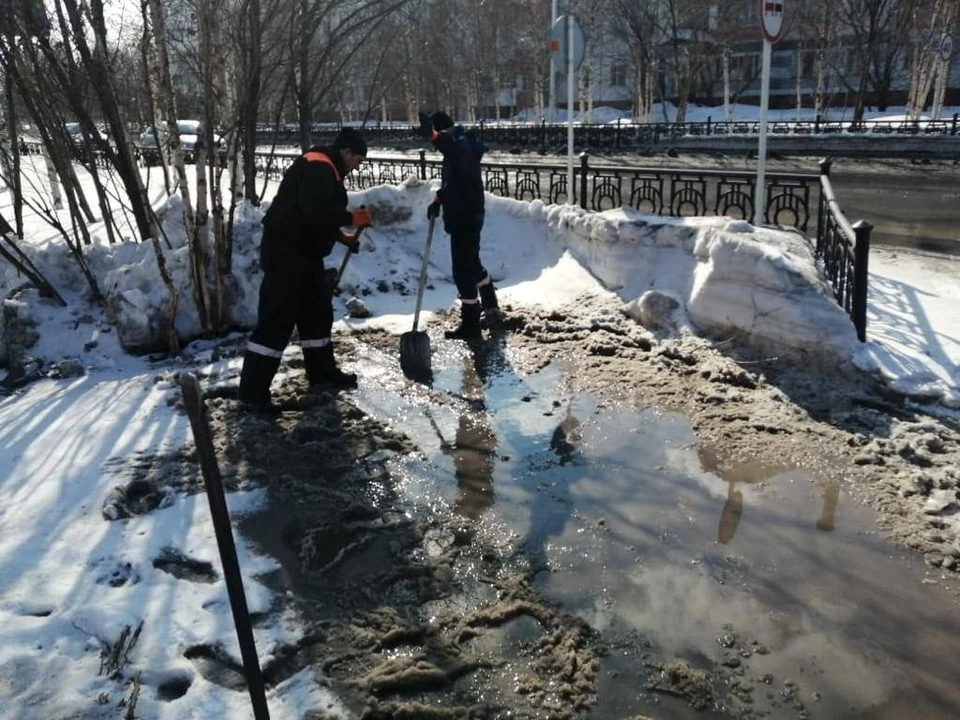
(300, 229)
(461, 199)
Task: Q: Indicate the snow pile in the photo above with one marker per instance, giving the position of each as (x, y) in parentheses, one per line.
(728, 278)
(760, 286)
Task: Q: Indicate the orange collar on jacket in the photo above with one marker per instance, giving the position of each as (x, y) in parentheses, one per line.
(317, 156)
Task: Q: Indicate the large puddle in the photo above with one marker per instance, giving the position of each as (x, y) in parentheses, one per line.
(761, 570)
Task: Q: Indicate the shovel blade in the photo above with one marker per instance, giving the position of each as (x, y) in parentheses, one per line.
(415, 354)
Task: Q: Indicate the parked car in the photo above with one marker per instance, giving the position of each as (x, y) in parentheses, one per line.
(189, 134)
(75, 131)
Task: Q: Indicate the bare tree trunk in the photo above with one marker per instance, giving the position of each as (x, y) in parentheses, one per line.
(683, 85)
(799, 88)
(207, 161)
(170, 107)
(922, 80)
(250, 100)
(151, 72)
(97, 64)
(940, 93)
(13, 171)
(53, 180)
(825, 30)
(942, 18)
(727, 113)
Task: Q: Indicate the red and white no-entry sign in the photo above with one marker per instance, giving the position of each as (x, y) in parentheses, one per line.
(771, 19)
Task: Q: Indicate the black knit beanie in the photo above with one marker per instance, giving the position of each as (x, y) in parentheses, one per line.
(441, 121)
(351, 139)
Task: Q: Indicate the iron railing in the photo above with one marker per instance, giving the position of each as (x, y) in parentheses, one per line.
(626, 135)
(660, 191)
(844, 250)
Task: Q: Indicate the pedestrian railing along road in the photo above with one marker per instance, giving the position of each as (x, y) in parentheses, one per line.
(626, 135)
(661, 191)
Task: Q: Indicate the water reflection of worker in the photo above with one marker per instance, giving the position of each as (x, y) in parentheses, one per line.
(730, 516)
(831, 494)
(474, 449)
(566, 436)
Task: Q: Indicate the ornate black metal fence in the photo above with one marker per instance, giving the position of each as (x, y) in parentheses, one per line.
(844, 250)
(661, 191)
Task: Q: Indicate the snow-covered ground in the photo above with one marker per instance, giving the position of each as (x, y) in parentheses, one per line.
(71, 582)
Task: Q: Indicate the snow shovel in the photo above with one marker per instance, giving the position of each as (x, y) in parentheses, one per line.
(334, 276)
(415, 345)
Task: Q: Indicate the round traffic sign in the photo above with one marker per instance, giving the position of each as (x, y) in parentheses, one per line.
(771, 19)
(559, 45)
(946, 47)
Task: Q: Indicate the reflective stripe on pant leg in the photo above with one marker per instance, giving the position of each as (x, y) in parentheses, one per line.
(315, 312)
(263, 350)
(280, 295)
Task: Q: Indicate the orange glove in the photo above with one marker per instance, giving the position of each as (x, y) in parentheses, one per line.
(351, 241)
(361, 218)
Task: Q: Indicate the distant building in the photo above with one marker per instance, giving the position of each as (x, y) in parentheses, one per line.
(694, 54)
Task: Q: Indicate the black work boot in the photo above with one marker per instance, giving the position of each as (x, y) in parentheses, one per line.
(469, 328)
(255, 378)
(322, 369)
(491, 308)
(488, 297)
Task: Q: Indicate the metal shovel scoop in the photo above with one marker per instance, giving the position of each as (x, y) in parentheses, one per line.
(415, 345)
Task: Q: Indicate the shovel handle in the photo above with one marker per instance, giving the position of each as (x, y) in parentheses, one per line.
(346, 259)
(423, 273)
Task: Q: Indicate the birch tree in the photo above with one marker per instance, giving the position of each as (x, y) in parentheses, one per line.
(168, 103)
(929, 26)
(877, 32)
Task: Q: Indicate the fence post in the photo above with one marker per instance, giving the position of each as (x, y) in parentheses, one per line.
(861, 256)
(210, 470)
(584, 168)
(709, 119)
(423, 164)
(816, 124)
(616, 142)
(822, 209)
(543, 135)
(481, 128)
(953, 131)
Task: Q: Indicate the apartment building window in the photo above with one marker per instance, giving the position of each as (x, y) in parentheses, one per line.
(618, 75)
(745, 68)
